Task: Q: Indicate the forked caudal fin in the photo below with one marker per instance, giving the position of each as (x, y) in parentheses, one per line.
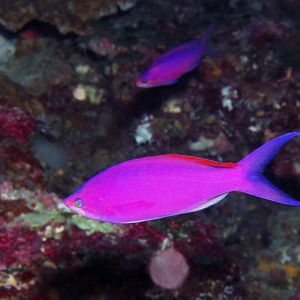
(205, 41)
(253, 165)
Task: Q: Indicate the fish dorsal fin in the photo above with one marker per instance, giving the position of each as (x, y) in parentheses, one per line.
(203, 161)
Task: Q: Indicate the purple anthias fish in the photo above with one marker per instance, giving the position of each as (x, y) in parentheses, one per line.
(167, 68)
(165, 185)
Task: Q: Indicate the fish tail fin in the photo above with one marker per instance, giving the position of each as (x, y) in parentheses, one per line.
(253, 181)
(207, 34)
(205, 41)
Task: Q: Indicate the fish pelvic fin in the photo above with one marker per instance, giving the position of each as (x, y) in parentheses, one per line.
(252, 167)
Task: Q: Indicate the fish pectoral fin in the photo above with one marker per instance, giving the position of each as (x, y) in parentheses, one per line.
(134, 205)
(209, 203)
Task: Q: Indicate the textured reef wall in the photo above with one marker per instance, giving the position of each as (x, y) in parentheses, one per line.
(69, 108)
(69, 16)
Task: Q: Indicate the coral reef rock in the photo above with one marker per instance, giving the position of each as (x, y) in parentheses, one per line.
(72, 16)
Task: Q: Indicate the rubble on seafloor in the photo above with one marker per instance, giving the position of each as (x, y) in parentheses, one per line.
(69, 108)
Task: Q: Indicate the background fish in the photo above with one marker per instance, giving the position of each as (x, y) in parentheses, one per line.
(167, 68)
(165, 185)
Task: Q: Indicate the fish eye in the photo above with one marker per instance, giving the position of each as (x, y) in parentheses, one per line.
(78, 202)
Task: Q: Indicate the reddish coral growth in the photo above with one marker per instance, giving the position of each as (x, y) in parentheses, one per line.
(19, 166)
(202, 239)
(7, 293)
(16, 124)
(141, 231)
(75, 241)
(29, 35)
(18, 245)
(15, 208)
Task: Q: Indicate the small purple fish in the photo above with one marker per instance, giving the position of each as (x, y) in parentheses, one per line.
(167, 68)
(165, 185)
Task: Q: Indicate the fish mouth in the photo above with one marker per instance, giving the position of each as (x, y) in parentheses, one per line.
(83, 212)
(73, 208)
(141, 84)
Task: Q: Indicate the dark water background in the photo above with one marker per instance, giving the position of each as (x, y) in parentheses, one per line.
(69, 108)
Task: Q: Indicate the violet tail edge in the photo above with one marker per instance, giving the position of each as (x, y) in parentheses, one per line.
(253, 181)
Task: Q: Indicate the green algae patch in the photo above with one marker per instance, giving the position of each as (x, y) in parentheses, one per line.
(43, 217)
(85, 224)
(36, 219)
(91, 226)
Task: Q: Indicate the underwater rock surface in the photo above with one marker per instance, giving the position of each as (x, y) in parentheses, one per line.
(69, 16)
(69, 108)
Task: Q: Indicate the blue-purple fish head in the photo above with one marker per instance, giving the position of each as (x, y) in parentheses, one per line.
(152, 78)
(90, 203)
(79, 203)
(143, 81)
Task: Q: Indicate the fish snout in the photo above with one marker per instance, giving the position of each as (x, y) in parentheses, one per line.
(67, 201)
(139, 83)
(143, 82)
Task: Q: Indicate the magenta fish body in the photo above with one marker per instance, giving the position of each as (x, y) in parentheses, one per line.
(165, 185)
(167, 68)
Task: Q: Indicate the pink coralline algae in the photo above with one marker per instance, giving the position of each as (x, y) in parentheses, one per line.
(141, 231)
(18, 251)
(168, 268)
(16, 124)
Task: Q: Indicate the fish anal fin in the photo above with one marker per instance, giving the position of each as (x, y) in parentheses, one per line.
(209, 203)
